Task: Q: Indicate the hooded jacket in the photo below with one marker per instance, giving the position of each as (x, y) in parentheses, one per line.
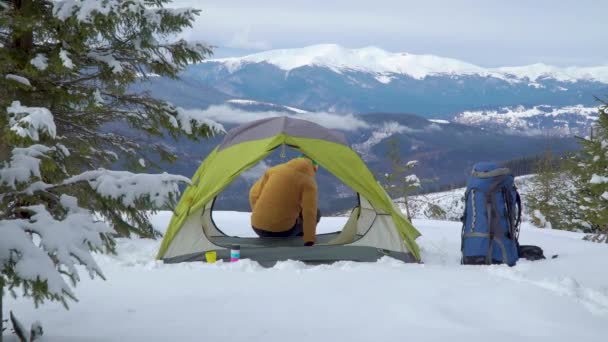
(281, 194)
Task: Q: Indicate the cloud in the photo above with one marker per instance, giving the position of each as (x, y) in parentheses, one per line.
(229, 115)
(388, 129)
(347, 122)
(241, 40)
(254, 173)
(514, 32)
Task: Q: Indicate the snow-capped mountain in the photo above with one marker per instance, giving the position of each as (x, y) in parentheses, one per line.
(385, 65)
(543, 119)
(330, 78)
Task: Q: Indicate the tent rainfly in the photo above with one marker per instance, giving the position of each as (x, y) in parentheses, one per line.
(375, 228)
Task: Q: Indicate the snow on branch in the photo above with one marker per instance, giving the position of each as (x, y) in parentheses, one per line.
(19, 79)
(129, 187)
(413, 180)
(85, 10)
(24, 164)
(31, 121)
(65, 59)
(108, 59)
(40, 62)
(596, 179)
(189, 119)
(62, 245)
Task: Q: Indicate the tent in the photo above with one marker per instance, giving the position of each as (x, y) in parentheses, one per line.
(375, 228)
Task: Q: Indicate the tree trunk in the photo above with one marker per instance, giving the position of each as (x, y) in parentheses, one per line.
(1, 308)
(407, 210)
(25, 41)
(5, 151)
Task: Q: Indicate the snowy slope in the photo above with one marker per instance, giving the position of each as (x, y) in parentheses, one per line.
(265, 105)
(542, 119)
(384, 130)
(565, 299)
(452, 201)
(383, 63)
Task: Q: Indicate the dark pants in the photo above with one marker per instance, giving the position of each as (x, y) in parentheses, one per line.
(296, 230)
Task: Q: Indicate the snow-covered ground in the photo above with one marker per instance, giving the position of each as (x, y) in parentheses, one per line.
(562, 299)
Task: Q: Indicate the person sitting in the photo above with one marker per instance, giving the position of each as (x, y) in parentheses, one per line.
(284, 201)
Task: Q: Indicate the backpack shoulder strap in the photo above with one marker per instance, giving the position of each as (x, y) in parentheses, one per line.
(518, 221)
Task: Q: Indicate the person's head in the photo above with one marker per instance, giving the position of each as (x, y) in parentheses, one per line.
(315, 165)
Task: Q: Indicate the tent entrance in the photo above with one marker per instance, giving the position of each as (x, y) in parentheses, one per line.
(334, 195)
(360, 221)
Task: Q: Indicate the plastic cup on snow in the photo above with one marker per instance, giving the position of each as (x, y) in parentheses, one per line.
(211, 257)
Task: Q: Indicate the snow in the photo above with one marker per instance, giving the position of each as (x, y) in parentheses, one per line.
(30, 121)
(40, 62)
(24, 164)
(439, 121)
(411, 163)
(384, 79)
(128, 187)
(386, 130)
(596, 179)
(383, 65)
(605, 195)
(542, 220)
(98, 98)
(563, 299)
(452, 201)
(571, 74)
(369, 59)
(297, 110)
(142, 162)
(68, 241)
(65, 59)
(85, 10)
(188, 118)
(81, 9)
(412, 180)
(19, 79)
(252, 102)
(108, 59)
(525, 119)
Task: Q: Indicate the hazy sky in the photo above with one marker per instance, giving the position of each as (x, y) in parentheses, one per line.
(484, 32)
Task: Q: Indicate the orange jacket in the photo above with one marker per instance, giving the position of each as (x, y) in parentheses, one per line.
(281, 194)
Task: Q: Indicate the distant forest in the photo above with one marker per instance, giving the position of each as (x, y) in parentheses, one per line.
(519, 167)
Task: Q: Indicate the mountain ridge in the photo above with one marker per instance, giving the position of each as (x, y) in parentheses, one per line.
(372, 59)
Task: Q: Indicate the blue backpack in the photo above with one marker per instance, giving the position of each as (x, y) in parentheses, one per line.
(491, 217)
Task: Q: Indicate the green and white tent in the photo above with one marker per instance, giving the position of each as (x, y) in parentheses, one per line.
(376, 227)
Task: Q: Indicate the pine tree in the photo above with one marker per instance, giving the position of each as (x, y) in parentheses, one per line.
(65, 71)
(400, 182)
(545, 202)
(590, 176)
